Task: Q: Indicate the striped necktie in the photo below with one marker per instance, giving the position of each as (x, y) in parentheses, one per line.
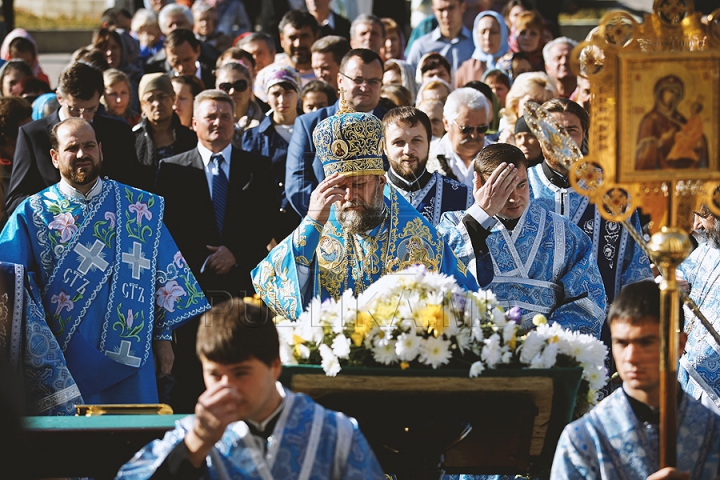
(220, 190)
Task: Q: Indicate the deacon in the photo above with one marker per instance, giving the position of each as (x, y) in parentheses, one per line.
(620, 260)
(114, 284)
(699, 364)
(246, 425)
(529, 257)
(407, 146)
(353, 233)
(619, 438)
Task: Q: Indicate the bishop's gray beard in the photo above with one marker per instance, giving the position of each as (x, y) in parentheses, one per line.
(364, 219)
(703, 235)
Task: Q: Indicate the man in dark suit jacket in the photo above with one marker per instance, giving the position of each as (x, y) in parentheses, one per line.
(331, 23)
(79, 91)
(182, 54)
(360, 77)
(222, 241)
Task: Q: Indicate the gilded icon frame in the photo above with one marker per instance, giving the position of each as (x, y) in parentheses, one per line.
(662, 133)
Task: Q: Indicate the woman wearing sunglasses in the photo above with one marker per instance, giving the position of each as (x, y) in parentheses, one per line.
(272, 137)
(235, 79)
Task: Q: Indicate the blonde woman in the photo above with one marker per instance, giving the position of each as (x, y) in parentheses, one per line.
(535, 86)
(118, 96)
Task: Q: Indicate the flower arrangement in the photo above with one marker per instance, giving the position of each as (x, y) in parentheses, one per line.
(417, 318)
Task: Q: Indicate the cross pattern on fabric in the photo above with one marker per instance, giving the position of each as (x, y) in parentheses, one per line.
(91, 257)
(220, 190)
(136, 260)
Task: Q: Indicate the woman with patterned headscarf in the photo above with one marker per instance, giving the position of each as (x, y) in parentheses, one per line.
(490, 35)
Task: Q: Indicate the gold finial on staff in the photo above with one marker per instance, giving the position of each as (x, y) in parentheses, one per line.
(344, 107)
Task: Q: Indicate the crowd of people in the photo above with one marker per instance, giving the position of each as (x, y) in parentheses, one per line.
(288, 151)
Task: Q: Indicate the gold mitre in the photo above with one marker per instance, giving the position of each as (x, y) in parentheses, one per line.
(350, 143)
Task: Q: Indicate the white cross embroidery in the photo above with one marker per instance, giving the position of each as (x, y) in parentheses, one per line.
(91, 257)
(136, 260)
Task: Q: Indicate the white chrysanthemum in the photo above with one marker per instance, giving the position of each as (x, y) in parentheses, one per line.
(549, 356)
(491, 353)
(408, 346)
(506, 356)
(286, 331)
(435, 352)
(331, 366)
(477, 333)
(476, 369)
(341, 346)
(596, 377)
(346, 311)
(509, 331)
(385, 353)
(286, 355)
(498, 317)
(531, 347)
(302, 351)
(407, 304)
(463, 339)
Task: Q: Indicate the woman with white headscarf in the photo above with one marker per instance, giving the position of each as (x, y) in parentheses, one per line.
(490, 35)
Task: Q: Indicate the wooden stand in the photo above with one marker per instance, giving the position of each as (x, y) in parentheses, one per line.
(424, 422)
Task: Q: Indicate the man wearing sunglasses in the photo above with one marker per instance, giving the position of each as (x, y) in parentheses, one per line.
(466, 116)
(360, 78)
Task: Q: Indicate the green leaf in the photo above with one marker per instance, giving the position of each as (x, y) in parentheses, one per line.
(151, 202)
(140, 197)
(129, 195)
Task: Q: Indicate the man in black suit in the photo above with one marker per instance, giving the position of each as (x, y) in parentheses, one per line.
(218, 200)
(182, 55)
(79, 90)
(330, 22)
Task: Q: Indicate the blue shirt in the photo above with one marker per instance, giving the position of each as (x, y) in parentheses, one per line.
(456, 50)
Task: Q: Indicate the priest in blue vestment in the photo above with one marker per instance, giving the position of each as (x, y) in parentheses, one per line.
(619, 438)
(112, 282)
(700, 364)
(407, 146)
(530, 258)
(620, 260)
(247, 426)
(354, 232)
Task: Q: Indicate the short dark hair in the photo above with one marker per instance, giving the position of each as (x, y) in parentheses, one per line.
(101, 37)
(481, 87)
(408, 116)
(13, 110)
(498, 75)
(322, 87)
(236, 53)
(21, 45)
(54, 142)
(366, 55)
(179, 36)
(299, 19)
(257, 37)
(434, 60)
(96, 58)
(81, 80)
(17, 65)
(111, 15)
(236, 331)
(565, 105)
(638, 302)
(195, 84)
(334, 44)
(491, 156)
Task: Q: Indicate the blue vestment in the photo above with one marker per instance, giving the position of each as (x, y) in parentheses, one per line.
(610, 442)
(699, 370)
(620, 260)
(440, 194)
(111, 280)
(31, 347)
(545, 265)
(308, 441)
(337, 261)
